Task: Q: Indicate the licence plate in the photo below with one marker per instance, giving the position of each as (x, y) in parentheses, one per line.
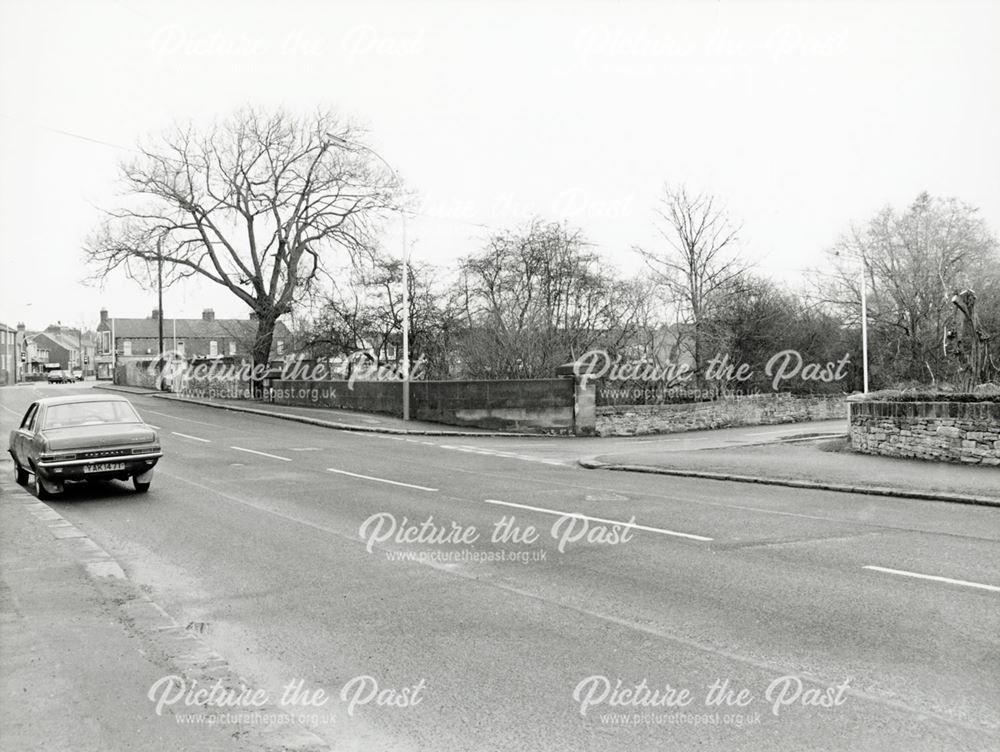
(104, 467)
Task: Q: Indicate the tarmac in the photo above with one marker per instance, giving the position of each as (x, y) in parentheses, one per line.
(812, 458)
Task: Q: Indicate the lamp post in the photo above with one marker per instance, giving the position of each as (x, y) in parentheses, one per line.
(344, 143)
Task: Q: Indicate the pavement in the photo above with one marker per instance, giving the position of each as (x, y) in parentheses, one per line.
(457, 570)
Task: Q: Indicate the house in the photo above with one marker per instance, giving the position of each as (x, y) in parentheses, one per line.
(9, 355)
(63, 347)
(207, 337)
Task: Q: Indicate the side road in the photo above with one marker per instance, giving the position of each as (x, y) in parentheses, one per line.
(798, 455)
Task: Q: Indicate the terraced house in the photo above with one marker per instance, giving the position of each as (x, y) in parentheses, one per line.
(207, 337)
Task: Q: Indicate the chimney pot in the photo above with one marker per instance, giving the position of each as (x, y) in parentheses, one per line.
(156, 314)
(208, 314)
(104, 315)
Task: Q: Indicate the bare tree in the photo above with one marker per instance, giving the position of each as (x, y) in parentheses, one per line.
(252, 205)
(914, 261)
(697, 264)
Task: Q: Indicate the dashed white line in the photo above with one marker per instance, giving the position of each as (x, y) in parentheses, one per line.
(381, 480)
(543, 510)
(156, 428)
(193, 438)
(186, 420)
(934, 578)
(262, 454)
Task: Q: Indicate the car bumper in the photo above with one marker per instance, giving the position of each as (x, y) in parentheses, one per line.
(98, 468)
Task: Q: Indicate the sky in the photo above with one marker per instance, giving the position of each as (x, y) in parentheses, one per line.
(800, 117)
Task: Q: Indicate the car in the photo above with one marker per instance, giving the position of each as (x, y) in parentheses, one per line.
(77, 375)
(83, 438)
(59, 377)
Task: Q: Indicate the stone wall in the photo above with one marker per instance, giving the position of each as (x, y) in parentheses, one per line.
(966, 432)
(752, 410)
(535, 405)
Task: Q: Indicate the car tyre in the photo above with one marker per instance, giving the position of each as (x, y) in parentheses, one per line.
(139, 486)
(40, 491)
(20, 474)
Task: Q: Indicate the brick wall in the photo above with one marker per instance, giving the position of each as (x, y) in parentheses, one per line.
(753, 410)
(966, 432)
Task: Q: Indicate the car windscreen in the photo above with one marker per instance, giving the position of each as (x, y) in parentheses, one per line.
(90, 413)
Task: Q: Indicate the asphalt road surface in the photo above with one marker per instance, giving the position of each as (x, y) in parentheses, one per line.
(437, 592)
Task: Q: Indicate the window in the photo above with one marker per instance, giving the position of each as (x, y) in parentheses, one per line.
(127, 347)
(281, 347)
(90, 413)
(213, 349)
(105, 343)
(232, 347)
(29, 418)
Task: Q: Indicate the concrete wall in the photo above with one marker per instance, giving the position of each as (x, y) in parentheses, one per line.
(536, 405)
(966, 432)
(753, 410)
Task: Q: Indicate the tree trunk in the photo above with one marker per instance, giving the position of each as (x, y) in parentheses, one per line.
(261, 350)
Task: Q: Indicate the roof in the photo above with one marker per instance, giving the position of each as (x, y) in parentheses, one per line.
(64, 340)
(245, 329)
(6, 328)
(72, 398)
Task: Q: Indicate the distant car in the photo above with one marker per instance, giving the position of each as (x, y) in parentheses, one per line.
(59, 377)
(83, 438)
(78, 375)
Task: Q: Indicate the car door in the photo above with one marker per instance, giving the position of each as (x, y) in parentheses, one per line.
(23, 435)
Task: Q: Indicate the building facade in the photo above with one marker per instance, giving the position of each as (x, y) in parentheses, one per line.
(207, 337)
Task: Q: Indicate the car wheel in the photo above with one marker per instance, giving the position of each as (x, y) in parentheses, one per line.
(20, 475)
(140, 487)
(40, 491)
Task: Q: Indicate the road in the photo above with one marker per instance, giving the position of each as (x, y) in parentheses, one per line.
(848, 622)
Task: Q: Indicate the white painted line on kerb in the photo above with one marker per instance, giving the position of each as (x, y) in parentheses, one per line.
(380, 480)
(262, 454)
(193, 438)
(935, 578)
(543, 510)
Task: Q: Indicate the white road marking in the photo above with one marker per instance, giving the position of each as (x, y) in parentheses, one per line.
(305, 449)
(543, 510)
(262, 454)
(10, 411)
(157, 428)
(935, 578)
(194, 438)
(186, 420)
(381, 480)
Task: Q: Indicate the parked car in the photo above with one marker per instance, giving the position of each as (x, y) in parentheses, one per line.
(59, 377)
(78, 375)
(83, 438)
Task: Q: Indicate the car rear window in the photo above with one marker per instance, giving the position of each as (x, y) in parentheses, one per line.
(90, 413)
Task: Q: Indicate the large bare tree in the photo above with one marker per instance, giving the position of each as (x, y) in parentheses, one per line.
(253, 204)
(698, 262)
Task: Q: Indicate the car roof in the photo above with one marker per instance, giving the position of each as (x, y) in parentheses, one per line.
(71, 398)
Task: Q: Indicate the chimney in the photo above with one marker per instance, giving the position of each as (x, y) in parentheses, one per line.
(253, 316)
(20, 327)
(156, 314)
(208, 314)
(104, 315)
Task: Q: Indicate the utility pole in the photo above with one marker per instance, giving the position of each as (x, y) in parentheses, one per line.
(159, 302)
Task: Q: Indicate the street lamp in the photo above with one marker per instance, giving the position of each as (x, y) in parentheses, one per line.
(344, 143)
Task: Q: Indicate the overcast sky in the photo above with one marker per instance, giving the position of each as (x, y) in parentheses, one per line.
(802, 117)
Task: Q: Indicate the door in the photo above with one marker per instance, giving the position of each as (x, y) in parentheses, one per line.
(23, 435)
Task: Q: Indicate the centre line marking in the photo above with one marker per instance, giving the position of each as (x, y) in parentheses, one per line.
(186, 420)
(381, 480)
(262, 454)
(661, 531)
(193, 438)
(935, 578)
